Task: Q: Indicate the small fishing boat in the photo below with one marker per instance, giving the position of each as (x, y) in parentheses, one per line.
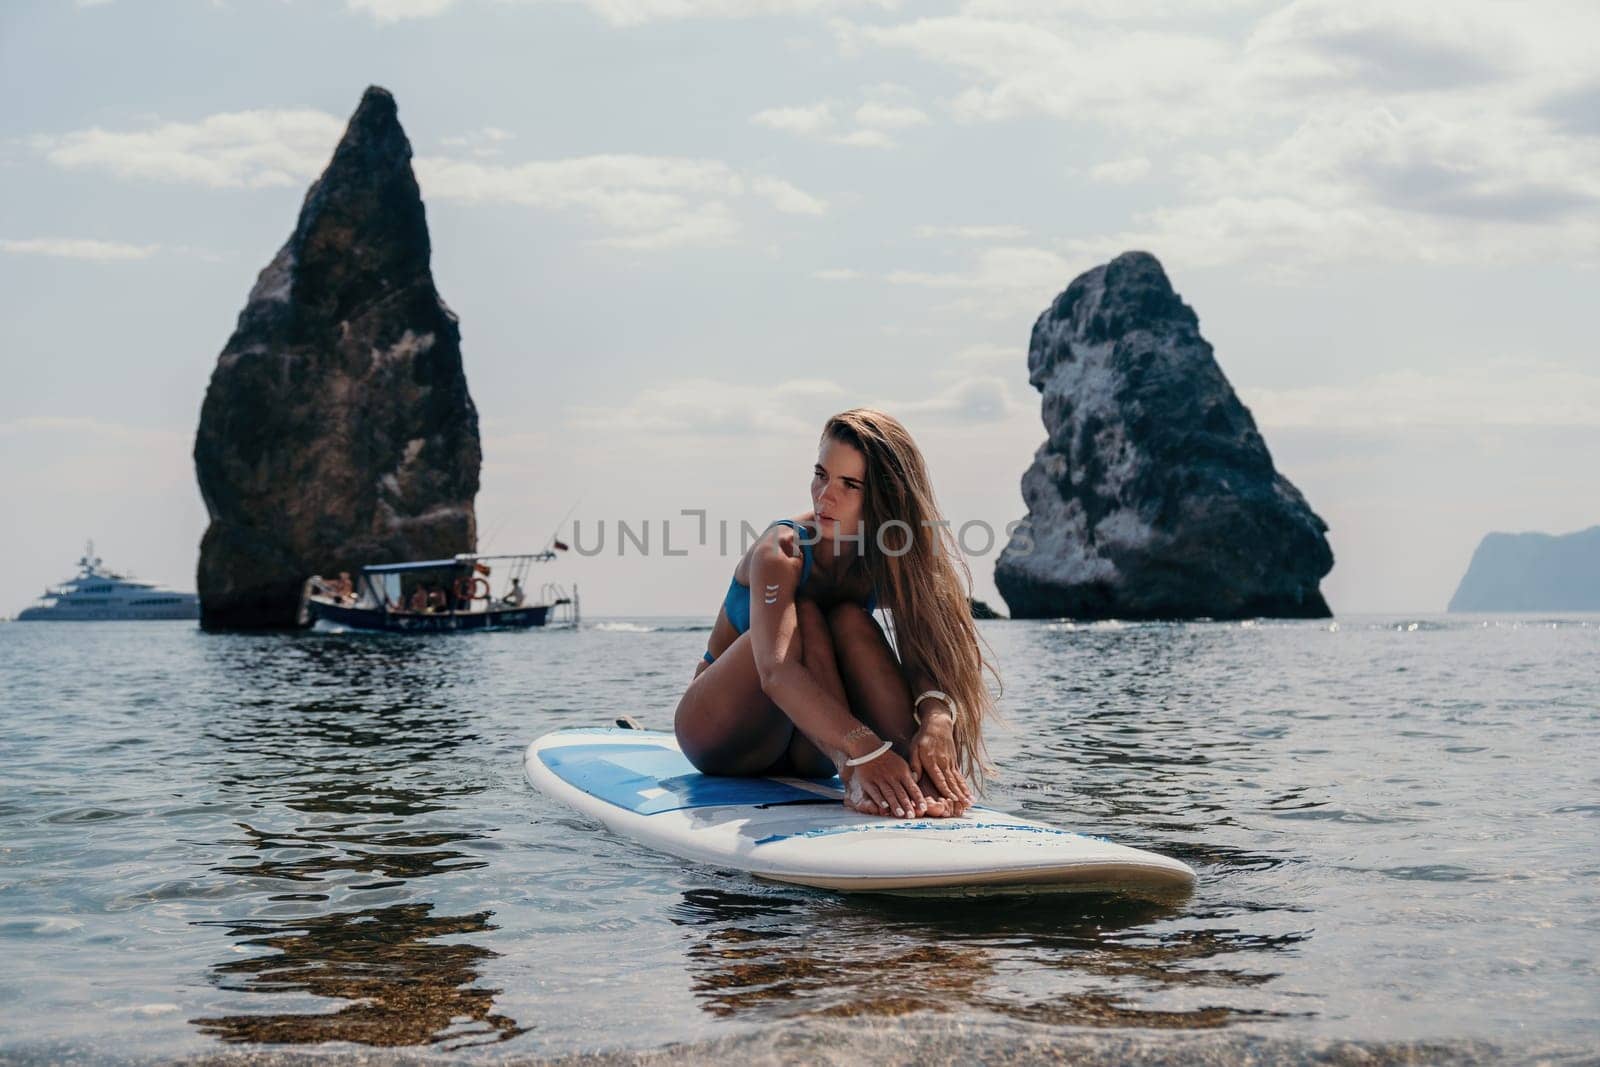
(437, 595)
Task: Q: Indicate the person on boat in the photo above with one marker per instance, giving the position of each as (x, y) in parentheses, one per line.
(419, 599)
(514, 597)
(346, 589)
(798, 679)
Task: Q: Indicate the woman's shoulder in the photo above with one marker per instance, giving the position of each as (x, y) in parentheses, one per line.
(779, 542)
(781, 539)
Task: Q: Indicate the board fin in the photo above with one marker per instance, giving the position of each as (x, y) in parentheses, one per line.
(628, 722)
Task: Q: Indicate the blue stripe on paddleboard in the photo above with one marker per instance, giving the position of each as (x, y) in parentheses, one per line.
(649, 779)
(947, 827)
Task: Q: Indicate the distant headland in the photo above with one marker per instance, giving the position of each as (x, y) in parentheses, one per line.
(1532, 572)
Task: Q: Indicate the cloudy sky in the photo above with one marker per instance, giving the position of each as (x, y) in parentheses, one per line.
(680, 233)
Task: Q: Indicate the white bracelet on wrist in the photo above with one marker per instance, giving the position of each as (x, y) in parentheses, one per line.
(949, 703)
(870, 756)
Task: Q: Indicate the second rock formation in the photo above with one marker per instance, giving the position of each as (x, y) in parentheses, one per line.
(1154, 496)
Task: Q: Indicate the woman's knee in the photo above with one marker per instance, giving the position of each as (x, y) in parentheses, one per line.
(729, 733)
(816, 643)
(851, 622)
(738, 759)
(813, 622)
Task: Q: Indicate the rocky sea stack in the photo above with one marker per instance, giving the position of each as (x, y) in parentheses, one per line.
(337, 429)
(1154, 496)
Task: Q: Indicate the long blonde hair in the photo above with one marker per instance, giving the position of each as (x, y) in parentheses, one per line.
(921, 583)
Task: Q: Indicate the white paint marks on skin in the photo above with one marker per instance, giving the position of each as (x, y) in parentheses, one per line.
(772, 594)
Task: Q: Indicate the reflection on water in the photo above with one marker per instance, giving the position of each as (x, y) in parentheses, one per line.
(402, 989)
(347, 778)
(781, 955)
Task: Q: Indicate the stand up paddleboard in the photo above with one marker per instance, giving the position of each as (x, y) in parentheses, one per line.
(796, 830)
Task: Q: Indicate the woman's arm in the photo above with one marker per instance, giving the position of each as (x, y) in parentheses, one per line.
(921, 681)
(775, 639)
(884, 779)
(933, 749)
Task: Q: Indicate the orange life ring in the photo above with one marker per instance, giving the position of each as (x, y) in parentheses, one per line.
(467, 588)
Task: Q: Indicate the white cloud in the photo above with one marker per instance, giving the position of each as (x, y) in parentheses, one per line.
(889, 116)
(1496, 168)
(1005, 282)
(242, 149)
(808, 121)
(1076, 71)
(1119, 10)
(710, 407)
(632, 12)
(1283, 236)
(483, 143)
(646, 201)
(999, 268)
(786, 198)
(1381, 45)
(397, 10)
(641, 202)
(969, 392)
(638, 197)
(865, 139)
(1510, 393)
(1379, 185)
(975, 399)
(1333, 130)
(987, 359)
(975, 233)
(1120, 171)
(78, 248)
(886, 108)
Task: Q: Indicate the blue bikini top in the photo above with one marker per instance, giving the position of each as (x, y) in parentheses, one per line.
(737, 601)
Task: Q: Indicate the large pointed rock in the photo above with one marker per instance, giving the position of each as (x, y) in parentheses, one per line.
(1153, 496)
(337, 429)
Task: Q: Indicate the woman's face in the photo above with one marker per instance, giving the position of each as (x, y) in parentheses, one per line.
(839, 489)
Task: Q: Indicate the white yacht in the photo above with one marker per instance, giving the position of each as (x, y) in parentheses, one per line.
(96, 594)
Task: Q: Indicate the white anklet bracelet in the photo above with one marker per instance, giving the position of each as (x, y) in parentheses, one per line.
(870, 756)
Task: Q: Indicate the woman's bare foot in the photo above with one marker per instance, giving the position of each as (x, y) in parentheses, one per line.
(938, 807)
(947, 808)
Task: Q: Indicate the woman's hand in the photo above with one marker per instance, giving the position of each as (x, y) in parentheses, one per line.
(883, 784)
(933, 751)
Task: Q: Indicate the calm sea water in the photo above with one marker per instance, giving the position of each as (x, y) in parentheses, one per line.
(325, 842)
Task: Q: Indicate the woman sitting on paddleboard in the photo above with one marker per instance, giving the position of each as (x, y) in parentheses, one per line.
(798, 678)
